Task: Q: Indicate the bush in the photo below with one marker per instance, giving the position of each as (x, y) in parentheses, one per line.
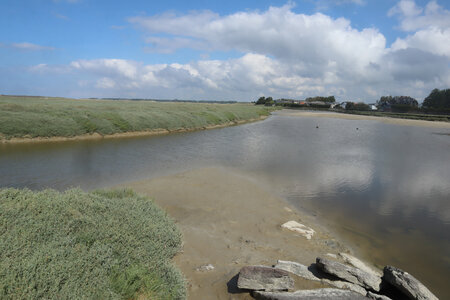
(77, 245)
(438, 99)
(357, 106)
(329, 99)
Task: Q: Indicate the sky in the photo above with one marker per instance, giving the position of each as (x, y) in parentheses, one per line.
(356, 50)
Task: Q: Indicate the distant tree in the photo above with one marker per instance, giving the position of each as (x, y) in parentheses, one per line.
(438, 99)
(398, 100)
(357, 106)
(397, 103)
(329, 99)
(269, 101)
(261, 101)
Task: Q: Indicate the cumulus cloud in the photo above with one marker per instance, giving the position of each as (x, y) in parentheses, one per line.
(431, 27)
(283, 54)
(28, 47)
(413, 17)
(313, 39)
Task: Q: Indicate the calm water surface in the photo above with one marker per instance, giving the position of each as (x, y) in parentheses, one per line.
(385, 188)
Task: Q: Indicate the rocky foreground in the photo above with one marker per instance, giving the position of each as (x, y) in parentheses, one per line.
(350, 277)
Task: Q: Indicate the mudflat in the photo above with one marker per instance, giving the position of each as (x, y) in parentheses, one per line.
(230, 221)
(395, 121)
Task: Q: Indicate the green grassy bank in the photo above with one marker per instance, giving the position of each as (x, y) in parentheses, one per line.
(77, 245)
(411, 116)
(31, 117)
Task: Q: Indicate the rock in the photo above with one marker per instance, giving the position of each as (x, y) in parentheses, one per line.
(350, 274)
(204, 268)
(331, 255)
(297, 269)
(407, 283)
(374, 296)
(264, 278)
(359, 264)
(327, 294)
(346, 286)
(299, 228)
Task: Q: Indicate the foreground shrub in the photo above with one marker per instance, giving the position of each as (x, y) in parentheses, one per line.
(77, 245)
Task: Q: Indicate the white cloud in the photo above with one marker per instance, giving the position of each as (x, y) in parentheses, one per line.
(283, 54)
(413, 17)
(430, 26)
(435, 40)
(311, 39)
(29, 47)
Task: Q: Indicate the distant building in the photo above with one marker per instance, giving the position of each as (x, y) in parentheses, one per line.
(373, 106)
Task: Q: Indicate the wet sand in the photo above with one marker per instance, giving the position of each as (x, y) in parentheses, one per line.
(387, 120)
(230, 222)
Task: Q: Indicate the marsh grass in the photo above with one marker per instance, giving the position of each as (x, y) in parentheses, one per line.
(78, 245)
(61, 117)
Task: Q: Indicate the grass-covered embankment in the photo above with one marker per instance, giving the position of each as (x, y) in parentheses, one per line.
(38, 117)
(77, 245)
(410, 116)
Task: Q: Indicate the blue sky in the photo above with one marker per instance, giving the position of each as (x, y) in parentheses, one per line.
(230, 50)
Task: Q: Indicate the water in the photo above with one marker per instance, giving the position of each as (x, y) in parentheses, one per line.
(384, 188)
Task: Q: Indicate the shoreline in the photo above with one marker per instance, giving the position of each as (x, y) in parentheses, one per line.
(387, 120)
(230, 221)
(131, 134)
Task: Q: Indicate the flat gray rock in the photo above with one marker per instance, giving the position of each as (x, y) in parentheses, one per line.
(297, 269)
(346, 286)
(407, 284)
(350, 274)
(357, 263)
(327, 294)
(264, 278)
(374, 296)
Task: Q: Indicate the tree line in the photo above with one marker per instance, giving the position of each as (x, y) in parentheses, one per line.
(438, 101)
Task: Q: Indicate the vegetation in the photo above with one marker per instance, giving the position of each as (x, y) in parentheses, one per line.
(51, 117)
(412, 116)
(77, 245)
(357, 106)
(438, 100)
(398, 103)
(329, 99)
(265, 101)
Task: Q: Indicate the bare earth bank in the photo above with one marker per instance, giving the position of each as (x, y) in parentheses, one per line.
(395, 121)
(230, 222)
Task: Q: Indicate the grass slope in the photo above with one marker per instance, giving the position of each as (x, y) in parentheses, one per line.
(77, 245)
(60, 117)
(411, 116)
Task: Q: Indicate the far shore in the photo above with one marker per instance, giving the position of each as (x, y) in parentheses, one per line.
(387, 120)
(132, 134)
(229, 221)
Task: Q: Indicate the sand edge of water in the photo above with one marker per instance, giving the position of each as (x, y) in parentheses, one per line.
(230, 221)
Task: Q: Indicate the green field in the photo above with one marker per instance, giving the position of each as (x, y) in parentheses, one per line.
(32, 117)
(78, 245)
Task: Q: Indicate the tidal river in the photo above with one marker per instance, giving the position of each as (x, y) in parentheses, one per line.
(384, 189)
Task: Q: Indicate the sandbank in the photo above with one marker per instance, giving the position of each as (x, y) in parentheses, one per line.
(387, 120)
(230, 221)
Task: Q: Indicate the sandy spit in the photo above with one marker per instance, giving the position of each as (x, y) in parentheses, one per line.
(395, 121)
(230, 221)
(97, 136)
